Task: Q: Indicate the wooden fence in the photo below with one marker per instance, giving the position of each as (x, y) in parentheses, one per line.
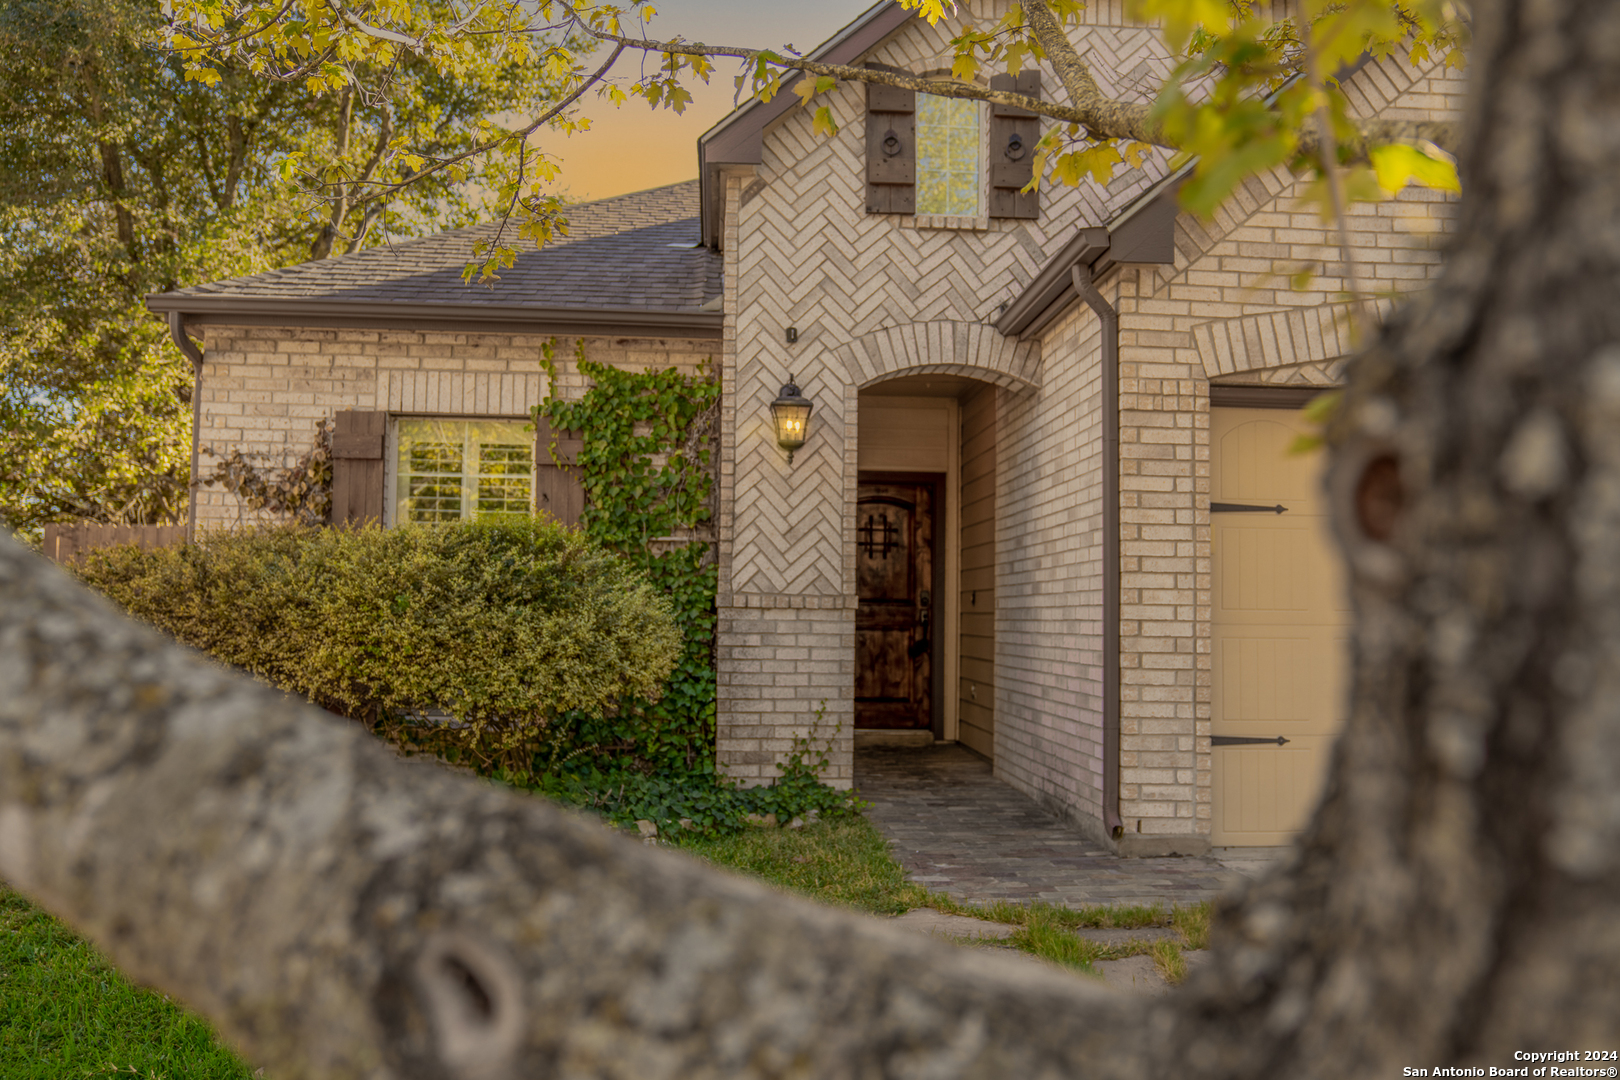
(65, 543)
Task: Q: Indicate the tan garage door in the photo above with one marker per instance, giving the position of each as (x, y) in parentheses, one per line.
(1280, 627)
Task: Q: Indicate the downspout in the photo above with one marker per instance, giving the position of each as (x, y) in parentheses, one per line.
(1109, 319)
(177, 331)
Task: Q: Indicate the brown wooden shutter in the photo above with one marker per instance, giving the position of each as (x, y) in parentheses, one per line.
(557, 487)
(357, 467)
(1013, 133)
(891, 150)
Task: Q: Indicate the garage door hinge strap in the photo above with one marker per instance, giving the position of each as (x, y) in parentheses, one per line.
(1245, 508)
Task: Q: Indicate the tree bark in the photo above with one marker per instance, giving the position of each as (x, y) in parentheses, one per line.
(1456, 893)
(339, 912)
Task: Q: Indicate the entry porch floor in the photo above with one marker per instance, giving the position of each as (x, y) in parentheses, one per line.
(959, 830)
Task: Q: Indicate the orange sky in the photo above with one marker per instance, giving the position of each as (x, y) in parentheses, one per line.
(633, 147)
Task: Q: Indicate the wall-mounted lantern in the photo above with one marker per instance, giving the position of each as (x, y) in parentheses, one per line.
(790, 414)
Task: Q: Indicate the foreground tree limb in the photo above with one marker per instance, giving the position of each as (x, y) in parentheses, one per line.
(1101, 116)
(340, 912)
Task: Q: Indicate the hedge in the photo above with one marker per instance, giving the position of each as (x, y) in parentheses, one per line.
(500, 628)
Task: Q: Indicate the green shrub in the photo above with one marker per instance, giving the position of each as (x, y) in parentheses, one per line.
(697, 802)
(504, 627)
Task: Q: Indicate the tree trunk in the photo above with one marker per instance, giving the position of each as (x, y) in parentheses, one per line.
(1456, 895)
(338, 912)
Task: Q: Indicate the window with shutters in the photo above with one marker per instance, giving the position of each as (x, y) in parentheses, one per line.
(955, 162)
(461, 470)
(948, 161)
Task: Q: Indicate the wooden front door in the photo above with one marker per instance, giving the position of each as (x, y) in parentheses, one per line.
(894, 623)
(1281, 621)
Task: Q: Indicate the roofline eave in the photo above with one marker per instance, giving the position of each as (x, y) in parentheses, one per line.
(326, 313)
(742, 146)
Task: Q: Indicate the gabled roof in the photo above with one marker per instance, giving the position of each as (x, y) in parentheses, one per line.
(738, 139)
(629, 263)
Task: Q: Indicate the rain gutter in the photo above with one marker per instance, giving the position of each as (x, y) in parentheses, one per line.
(223, 310)
(1081, 278)
(177, 331)
(1143, 234)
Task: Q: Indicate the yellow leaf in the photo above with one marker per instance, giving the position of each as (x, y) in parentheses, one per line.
(1320, 409)
(932, 10)
(1398, 165)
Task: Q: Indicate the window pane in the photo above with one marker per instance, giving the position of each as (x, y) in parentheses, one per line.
(947, 156)
(453, 470)
(430, 471)
(505, 480)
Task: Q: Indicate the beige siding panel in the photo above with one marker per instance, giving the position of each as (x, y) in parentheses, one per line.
(905, 439)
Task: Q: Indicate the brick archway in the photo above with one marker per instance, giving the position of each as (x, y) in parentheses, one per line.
(942, 347)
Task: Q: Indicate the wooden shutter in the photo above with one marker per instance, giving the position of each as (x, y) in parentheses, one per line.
(557, 487)
(1013, 133)
(357, 467)
(891, 150)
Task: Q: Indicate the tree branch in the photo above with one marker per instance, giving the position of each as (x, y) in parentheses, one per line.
(1102, 117)
(337, 911)
(382, 191)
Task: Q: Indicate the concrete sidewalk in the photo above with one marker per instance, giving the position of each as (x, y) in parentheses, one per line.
(958, 829)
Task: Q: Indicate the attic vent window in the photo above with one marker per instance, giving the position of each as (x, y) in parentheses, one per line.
(947, 156)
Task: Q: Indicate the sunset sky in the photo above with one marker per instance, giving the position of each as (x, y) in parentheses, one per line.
(634, 147)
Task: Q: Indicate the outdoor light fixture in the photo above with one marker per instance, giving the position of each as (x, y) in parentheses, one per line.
(790, 413)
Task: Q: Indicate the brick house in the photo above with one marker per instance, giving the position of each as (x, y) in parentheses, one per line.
(1038, 509)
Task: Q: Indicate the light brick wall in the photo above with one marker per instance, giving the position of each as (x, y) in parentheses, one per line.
(1049, 676)
(777, 667)
(1226, 312)
(872, 296)
(264, 388)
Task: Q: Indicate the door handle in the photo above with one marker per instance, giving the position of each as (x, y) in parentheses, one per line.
(1244, 740)
(921, 646)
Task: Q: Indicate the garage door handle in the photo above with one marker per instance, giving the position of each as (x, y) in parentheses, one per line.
(1244, 740)
(1245, 508)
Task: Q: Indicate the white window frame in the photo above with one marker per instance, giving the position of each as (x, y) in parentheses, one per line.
(469, 490)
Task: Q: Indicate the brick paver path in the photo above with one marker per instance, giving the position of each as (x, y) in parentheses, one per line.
(958, 829)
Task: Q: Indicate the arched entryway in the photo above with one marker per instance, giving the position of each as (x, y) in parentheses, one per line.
(925, 561)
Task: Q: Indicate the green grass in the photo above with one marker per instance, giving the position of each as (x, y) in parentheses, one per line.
(65, 1012)
(848, 864)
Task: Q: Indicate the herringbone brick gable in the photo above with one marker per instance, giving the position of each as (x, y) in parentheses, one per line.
(872, 296)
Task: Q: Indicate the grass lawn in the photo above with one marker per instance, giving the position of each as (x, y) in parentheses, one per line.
(66, 1013)
(847, 864)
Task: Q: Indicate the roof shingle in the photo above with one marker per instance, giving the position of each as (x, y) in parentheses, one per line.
(631, 251)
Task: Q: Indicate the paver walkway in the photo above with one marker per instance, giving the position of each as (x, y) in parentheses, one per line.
(958, 829)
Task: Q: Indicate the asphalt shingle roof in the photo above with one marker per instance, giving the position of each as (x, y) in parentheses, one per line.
(630, 251)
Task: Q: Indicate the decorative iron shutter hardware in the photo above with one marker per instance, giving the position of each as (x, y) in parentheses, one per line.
(1245, 740)
(891, 144)
(1245, 508)
(1015, 147)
